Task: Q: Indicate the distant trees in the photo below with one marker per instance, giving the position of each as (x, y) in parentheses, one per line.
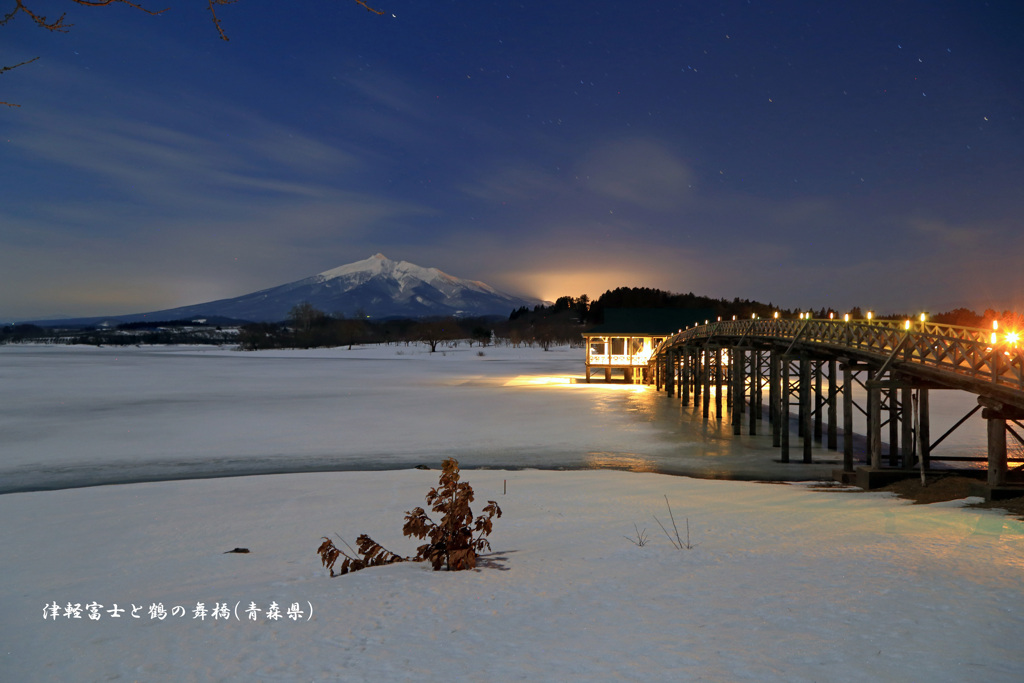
(304, 316)
(21, 333)
(309, 327)
(126, 334)
(960, 316)
(433, 332)
(646, 297)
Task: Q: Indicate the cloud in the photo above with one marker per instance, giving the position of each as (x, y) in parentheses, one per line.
(638, 171)
(173, 165)
(942, 233)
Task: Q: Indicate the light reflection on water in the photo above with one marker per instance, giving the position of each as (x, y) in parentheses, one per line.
(706, 447)
(620, 461)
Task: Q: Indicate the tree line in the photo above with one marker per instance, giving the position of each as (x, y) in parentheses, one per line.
(560, 323)
(125, 334)
(309, 327)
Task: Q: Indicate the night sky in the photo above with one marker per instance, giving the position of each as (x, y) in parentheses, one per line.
(811, 154)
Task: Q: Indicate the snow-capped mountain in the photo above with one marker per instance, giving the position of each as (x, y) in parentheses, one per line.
(377, 287)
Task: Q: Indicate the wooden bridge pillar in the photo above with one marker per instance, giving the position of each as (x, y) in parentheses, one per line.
(775, 396)
(996, 413)
(847, 417)
(805, 404)
(783, 412)
(909, 458)
(706, 356)
(727, 375)
(924, 431)
(819, 399)
(670, 373)
(684, 376)
(800, 404)
(755, 391)
(718, 383)
(696, 378)
(996, 450)
(874, 424)
(894, 425)
(737, 359)
(760, 383)
(833, 435)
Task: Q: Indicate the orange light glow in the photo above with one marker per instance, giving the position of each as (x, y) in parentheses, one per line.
(1012, 338)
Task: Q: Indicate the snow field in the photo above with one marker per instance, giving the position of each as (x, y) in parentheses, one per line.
(785, 583)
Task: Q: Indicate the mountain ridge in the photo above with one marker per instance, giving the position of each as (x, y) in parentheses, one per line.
(376, 287)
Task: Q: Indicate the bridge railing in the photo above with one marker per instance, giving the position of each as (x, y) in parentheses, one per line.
(978, 354)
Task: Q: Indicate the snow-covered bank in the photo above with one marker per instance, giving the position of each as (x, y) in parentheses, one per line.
(785, 584)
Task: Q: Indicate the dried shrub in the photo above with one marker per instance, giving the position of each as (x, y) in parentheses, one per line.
(454, 542)
(369, 553)
(457, 539)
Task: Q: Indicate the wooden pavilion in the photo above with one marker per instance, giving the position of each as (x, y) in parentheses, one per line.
(620, 347)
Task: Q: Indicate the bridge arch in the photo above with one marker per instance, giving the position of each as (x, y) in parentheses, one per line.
(897, 362)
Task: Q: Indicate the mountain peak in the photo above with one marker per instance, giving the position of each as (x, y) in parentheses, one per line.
(378, 263)
(376, 286)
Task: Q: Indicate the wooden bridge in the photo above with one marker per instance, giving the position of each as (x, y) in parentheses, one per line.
(896, 362)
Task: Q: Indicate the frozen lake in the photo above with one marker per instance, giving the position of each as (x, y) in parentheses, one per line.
(82, 416)
(783, 583)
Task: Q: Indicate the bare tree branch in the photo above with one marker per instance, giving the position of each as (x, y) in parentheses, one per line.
(4, 69)
(212, 6)
(370, 9)
(61, 25)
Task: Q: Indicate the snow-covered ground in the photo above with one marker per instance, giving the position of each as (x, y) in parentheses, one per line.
(786, 583)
